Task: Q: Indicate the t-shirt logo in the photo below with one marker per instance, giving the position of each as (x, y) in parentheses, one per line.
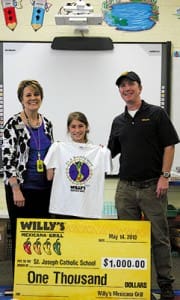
(79, 170)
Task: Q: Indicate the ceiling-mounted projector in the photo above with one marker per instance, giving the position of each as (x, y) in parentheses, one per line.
(78, 14)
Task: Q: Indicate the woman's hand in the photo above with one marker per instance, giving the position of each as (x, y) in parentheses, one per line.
(18, 197)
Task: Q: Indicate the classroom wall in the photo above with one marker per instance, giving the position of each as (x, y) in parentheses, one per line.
(166, 29)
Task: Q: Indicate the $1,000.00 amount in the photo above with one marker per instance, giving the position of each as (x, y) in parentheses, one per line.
(124, 263)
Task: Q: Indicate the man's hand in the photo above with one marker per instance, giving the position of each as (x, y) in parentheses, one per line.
(162, 186)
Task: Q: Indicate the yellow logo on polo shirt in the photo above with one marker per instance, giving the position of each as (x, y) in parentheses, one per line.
(145, 119)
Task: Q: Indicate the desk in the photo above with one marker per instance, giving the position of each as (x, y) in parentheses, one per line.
(174, 182)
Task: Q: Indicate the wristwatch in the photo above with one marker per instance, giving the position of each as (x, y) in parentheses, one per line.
(166, 174)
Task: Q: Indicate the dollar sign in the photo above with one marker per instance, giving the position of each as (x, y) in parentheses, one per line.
(105, 262)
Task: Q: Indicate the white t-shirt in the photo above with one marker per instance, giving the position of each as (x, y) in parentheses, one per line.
(78, 183)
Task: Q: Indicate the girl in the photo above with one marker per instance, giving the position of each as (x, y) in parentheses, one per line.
(78, 171)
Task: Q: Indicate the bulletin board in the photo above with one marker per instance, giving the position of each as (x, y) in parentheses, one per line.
(83, 81)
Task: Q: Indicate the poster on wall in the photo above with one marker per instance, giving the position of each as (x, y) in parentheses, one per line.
(82, 259)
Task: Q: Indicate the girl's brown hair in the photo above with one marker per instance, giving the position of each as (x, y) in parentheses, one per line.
(81, 118)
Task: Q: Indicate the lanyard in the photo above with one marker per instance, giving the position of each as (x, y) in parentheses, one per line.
(39, 161)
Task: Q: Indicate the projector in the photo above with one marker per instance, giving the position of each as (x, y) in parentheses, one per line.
(78, 19)
(78, 14)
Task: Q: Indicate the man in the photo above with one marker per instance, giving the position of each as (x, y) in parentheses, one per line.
(144, 137)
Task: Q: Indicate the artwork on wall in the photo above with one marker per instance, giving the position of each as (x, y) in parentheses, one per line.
(9, 11)
(178, 12)
(38, 11)
(132, 15)
(176, 53)
(123, 15)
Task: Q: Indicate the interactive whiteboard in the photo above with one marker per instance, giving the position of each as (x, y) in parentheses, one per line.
(84, 81)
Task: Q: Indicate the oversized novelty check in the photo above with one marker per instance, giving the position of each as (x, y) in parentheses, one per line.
(82, 259)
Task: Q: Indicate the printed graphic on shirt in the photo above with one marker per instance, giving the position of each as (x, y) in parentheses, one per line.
(79, 170)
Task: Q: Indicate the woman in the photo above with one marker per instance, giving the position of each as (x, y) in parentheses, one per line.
(79, 168)
(26, 139)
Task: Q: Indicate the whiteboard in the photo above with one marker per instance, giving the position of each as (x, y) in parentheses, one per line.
(175, 103)
(82, 81)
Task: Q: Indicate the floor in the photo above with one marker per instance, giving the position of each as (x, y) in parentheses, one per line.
(6, 279)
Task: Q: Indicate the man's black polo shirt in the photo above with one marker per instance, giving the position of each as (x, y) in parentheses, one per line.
(141, 140)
